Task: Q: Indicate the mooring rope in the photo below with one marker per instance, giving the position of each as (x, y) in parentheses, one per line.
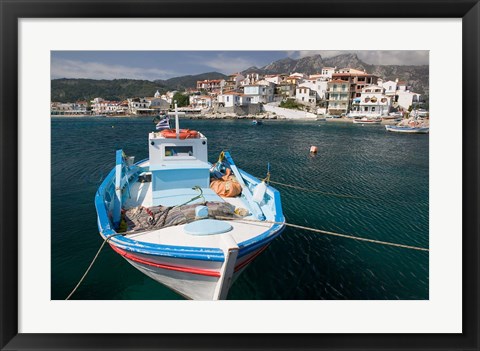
(318, 191)
(91, 264)
(358, 238)
(342, 195)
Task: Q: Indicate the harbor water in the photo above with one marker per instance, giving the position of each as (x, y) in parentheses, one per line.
(363, 181)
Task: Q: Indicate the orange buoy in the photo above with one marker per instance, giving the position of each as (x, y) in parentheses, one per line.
(313, 149)
(183, 133)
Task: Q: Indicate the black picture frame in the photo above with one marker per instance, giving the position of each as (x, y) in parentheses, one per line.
(13, 10)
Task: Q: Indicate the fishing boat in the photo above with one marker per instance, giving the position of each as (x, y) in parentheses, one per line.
(366, 120)
(393, 116)
(407, 129)
(190, 225)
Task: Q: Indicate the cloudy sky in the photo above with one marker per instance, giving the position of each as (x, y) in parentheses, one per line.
(153, 65)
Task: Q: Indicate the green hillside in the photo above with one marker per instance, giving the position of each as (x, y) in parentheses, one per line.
(69, 90)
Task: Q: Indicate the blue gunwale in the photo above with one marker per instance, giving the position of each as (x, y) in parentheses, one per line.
(184, 252)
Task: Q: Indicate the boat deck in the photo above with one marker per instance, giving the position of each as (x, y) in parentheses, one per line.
(141, 195)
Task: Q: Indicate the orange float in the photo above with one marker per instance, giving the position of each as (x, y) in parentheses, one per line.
(183, 133)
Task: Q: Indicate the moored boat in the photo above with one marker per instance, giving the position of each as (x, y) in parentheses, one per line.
(366, 120)
(407, 129)
(256, 122)
(190, 225)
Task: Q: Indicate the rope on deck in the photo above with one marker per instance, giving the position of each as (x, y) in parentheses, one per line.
(91, 264)
(330, 233)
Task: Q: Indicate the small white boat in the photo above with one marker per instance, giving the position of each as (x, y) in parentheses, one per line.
(366, 120)
(393, 116)
(407, 129)
(162, 215)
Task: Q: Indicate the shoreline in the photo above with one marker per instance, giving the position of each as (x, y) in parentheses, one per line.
(228, 116)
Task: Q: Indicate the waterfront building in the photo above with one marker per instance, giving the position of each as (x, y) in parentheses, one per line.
(347, 80)
(158, 104)
(401, 94)
(372, 102)
(105, 107)
(405, 98)
(233, 98)
(318, 83)
(261, 92)
(390, 86)
(68, 108)
(139, 106)
(306, 96)
(338, 96)
(200, 101)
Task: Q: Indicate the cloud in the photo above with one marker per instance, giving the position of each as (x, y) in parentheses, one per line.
(395, 57)
(228, 65)
(62, 68)
(305, 53)
(374, 57)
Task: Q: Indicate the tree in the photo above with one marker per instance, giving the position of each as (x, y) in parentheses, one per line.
(182, 100)
(290, 103)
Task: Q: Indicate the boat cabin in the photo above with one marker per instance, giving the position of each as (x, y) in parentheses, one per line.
(179, 166)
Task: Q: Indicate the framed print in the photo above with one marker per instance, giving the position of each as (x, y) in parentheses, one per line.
(372, 243)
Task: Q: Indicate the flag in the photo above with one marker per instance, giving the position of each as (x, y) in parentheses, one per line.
(163, 124)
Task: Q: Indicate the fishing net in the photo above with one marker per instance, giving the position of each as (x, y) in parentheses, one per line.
(157, 217)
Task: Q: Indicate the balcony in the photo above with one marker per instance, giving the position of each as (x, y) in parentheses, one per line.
(337, 90)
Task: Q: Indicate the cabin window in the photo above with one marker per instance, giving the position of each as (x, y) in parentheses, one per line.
(178, 151)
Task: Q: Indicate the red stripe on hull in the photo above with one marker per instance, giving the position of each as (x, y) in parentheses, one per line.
(164, 266)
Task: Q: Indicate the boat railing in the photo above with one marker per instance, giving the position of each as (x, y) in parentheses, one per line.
(256, 210)
(124, 174)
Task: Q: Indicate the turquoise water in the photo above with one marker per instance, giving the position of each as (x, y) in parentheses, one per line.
(386, 173)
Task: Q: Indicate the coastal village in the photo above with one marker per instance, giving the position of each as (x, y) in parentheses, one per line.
(333, 93)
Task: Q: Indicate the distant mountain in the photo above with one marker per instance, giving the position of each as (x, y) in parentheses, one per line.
(416, 76)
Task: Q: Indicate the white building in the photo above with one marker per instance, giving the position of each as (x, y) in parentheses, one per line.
(390, 87)
(404, 98)
(306, 96)
(105, 107)
(139, 106)
(274, 78)
(157, 103)
(317, 83)
(232, 98)
(200, 101)
(76, 108)
(261, 92)
(372, 102)
(328, 71)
